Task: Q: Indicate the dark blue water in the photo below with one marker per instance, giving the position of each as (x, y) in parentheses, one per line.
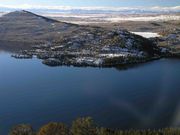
(146, 96)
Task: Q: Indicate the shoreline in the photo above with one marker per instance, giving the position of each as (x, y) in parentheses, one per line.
(114, 62)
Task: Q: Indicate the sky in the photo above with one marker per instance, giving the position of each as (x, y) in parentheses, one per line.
(90, 3)
(112, 5)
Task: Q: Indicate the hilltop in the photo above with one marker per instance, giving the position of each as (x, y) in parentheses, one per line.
(26, 27)
(60, 43)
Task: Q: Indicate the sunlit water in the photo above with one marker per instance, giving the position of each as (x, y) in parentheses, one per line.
(145, 96)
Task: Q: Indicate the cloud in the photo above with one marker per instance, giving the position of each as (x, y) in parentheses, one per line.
(28, 6)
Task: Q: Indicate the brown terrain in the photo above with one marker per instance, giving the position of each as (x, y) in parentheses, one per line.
(99, 44)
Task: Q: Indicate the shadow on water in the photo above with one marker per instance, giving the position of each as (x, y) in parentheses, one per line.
(141, 65)
(131, 66)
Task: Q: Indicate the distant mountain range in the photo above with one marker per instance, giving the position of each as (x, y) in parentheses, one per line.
(93, 10)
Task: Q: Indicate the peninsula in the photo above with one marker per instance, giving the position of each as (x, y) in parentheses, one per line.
(60, 43)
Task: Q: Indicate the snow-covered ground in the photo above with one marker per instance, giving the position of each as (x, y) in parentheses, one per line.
(74, 15)
(111, 18)
(87, 18)
(113, 55)
(144, 18)
(147, 34)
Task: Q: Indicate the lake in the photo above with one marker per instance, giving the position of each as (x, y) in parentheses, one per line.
(143, 96)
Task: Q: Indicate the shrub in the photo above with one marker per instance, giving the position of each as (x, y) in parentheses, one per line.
(105, 131)
(83, 126)
(54, 129)
(22, 130)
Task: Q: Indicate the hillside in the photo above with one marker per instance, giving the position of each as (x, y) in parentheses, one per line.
(24, 26)
(69, 43)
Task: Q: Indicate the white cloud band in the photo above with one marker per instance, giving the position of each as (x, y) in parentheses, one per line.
(66, 8)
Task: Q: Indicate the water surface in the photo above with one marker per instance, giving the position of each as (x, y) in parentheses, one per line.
(145, 96)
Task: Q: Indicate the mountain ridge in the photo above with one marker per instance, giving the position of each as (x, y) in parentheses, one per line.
(24, 26)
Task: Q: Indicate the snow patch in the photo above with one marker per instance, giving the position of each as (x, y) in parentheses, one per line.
(113, 55)
(147, 34)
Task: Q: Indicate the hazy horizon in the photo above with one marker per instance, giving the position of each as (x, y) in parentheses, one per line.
(93, 3)
(102, 5)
